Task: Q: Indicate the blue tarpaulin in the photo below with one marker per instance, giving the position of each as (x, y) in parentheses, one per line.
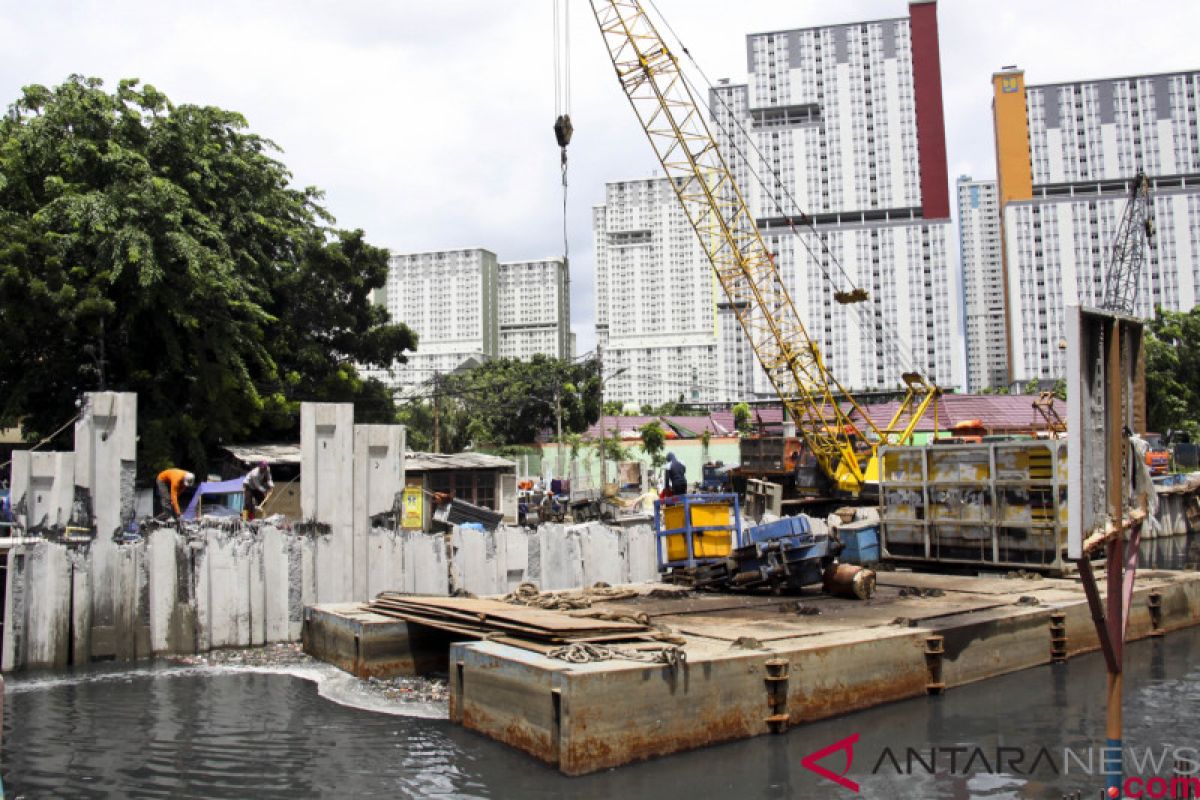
(230, 505)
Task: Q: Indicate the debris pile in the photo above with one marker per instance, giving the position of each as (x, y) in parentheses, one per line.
(282, 654)
(410, 690)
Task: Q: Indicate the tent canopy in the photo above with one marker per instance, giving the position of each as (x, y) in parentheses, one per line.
(226, 506)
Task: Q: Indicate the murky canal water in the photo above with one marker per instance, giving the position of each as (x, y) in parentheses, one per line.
(263, 731)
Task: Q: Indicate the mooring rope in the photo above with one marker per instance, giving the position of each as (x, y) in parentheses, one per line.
(587, 653)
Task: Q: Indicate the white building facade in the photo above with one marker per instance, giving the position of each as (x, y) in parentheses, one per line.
(982, 263)
(450, 299)
(1085, 143)
(535, 308)
(656, 301)
(844, 122)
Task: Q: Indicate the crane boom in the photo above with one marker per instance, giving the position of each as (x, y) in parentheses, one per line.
(1128, 252)
(651, 78)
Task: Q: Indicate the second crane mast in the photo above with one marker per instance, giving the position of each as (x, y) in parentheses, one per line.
(1129, 247)
(821, 408)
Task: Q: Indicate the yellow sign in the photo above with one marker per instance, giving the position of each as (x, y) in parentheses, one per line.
(414, 508)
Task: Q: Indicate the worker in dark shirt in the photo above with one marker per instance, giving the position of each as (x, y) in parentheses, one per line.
(675, 476)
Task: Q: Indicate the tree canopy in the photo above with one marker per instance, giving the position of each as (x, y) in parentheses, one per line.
(160, 249)
(654, 440)
(1173, 371)
(505, 402)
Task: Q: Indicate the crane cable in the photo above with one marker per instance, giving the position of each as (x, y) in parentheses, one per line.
(562, 99)
(890, 341)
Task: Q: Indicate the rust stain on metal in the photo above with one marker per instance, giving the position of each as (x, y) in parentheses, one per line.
(535, 742)
(832, 698)
(583, 754)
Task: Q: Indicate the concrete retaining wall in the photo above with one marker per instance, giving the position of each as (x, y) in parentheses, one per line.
(237, 585)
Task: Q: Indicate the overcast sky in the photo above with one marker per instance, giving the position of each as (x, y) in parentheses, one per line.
(428, 124)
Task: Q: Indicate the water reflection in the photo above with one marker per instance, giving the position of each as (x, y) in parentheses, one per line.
(1170, 552)
(150, 732)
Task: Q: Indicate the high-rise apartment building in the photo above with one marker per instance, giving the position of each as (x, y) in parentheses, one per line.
(844, 122)
(450, 300)
(1066, 156)
(466, 308)
(656, 314)
(535, 308)
(983, 283)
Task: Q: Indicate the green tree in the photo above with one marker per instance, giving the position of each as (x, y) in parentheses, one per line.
(611, 448)
(511, 401)
(1173, 371)
(741, 417)
(160, 249)
(654, 440)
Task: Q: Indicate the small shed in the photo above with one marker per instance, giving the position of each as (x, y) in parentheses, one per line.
(485, 480)
(284, 460)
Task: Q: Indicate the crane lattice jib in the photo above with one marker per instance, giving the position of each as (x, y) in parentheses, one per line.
(672, 120)
(1128, 252)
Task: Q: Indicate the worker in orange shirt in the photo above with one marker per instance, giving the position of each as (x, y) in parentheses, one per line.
(169, 482)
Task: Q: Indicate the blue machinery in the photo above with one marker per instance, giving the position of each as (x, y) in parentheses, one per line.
(700, 541)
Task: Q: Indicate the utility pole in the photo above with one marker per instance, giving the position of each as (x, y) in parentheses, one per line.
(603, 433)
(437, 407)
(558, 415)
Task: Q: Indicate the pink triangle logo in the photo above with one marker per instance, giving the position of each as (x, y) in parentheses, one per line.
(810, 762)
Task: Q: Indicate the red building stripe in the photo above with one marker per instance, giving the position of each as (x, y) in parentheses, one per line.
(931, 124)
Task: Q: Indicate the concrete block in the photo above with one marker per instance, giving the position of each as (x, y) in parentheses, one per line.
(276, 584)
(172, 604)
(332, 565)
(600, 553)
(426, 570)
(385, 561)
(378, 482)
(226, 591)
(105, 457)
(297, 587)
(561, 559)
(128, 638)
(105, 463)
(47, 577)
(516, 556)
(327, 494)
(102, 555)
(640, 554)
(256, 590)
(81, 606)
(43, 490)
(14, 609)
(476, 563)
(326, 461)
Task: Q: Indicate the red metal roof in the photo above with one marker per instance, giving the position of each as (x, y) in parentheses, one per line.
(999, 413)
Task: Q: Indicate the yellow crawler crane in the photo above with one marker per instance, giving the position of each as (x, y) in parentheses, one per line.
(669, 114)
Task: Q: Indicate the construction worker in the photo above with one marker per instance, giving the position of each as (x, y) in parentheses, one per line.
(169, 482)
(256, 488)
(675, 476)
